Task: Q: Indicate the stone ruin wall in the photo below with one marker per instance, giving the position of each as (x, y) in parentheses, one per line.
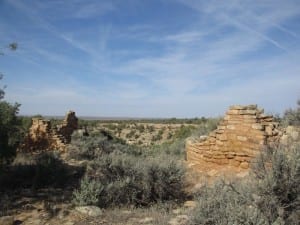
(42, 136)
(69, 124)
(239, 137)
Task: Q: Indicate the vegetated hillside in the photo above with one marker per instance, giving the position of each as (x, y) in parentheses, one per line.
(131, 184)
(152, 132)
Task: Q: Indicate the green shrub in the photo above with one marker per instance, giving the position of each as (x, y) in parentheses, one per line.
(128, 179)
(98, 144)
(88, 193)
(89, 147)
(184, 132)
(176, 149)
(130, 134)
(128, 174)
(156, 137)
(10, 127)
(223, 204)
(292, 116)
(205, 127)
(141, 128)
(276, 182)
(150, 128)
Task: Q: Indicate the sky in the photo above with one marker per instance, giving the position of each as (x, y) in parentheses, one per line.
(150, 58)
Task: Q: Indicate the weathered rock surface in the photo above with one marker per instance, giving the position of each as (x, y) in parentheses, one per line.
(89, 210)
(179, 220)
(190, 204)
(42, 136)
(146, 220)
(240, 136)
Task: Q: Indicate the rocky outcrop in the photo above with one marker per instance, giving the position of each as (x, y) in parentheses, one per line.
(239, 137)
(42, 136)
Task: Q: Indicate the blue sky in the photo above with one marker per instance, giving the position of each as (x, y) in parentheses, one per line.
(150, 58)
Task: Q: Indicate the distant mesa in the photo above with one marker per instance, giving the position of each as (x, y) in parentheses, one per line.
(42, 136)
(239, 137)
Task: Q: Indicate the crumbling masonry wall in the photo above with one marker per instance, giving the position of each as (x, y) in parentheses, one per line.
(42, 136)
(239, 137)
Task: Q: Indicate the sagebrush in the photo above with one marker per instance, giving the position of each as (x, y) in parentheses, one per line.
(269, 196)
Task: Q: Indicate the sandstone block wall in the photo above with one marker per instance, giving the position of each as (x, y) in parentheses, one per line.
(239, 137)
(42, 136)
(69, 124)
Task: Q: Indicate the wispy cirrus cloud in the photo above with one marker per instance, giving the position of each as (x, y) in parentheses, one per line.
(131, 60)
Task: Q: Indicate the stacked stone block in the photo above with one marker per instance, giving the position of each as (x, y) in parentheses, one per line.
(69, 124)
(239, 137)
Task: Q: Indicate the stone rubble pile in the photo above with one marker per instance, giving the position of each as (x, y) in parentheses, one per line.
(239, 137)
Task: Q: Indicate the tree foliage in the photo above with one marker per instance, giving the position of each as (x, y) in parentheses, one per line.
(9, 123)
(292, 116)
(9, 128)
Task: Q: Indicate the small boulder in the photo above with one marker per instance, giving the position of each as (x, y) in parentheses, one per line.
(146, 220)
(190, 204)
(179, 220)
(89, 210)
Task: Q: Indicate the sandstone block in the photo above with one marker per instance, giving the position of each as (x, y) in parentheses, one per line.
(269, 131)
(190, 204)
(237, 107)
(218, 132)
(244, 165)
(223, 161)
(248, 112)
(234, 163)
(219, 142)
(203, 137)
(257, 126)
(212, 134)
(249, 117)
(230, 156)
(231, 127)
(241, 158)
(220, 127)
(242, 138)
(250, 121)
(222, 137)
(208, 156)
(235, 122)
(233, 112)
